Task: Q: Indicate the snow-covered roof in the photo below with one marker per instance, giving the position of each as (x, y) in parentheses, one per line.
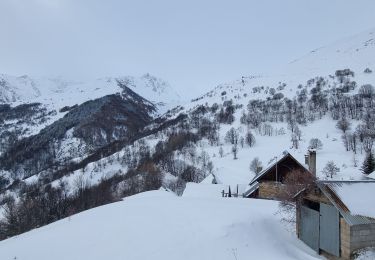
(250, 189)
(354, 199)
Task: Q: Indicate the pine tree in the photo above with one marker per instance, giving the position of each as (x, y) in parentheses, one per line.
(369, 163)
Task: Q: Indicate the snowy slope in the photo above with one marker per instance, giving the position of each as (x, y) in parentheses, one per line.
(28, 105)
(356, 52)
(158, 225)
(200, 224)
(233, 172)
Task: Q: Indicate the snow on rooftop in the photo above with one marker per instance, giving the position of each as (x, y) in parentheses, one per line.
(357, 197)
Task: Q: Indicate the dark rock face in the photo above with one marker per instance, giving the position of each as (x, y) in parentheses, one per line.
(96, 123)
(16, 122)
(67, 108)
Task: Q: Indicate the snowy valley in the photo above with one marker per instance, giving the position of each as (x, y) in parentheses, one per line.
(163, 162)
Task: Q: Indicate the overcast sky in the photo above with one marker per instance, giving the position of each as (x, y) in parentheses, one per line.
(194, 44)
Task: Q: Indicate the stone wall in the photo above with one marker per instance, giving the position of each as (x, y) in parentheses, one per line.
(270, 190)
(362, 236)
(317, 197)
(355, 237)
(344, 239)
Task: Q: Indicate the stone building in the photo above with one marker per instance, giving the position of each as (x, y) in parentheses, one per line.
(269, 183)
(336, 218)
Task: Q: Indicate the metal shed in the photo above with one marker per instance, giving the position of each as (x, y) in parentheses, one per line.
(338, 217)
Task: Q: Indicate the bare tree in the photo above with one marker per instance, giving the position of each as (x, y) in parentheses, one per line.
(295, 183)
(315, 143)
(221, 151)
(210, 167)
(231, 136)
(298, 133)
(343, 125)
(242, 141)
(235, 151)
(80, 184)
(331, 169)
(256, 165)
(250, 139)
(295, 141)
(355, 161)
(367, 91)
(367, 144)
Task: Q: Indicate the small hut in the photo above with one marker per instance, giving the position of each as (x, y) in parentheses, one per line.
(337, 217)
(269, 183)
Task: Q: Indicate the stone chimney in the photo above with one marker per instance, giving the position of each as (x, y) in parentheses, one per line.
(310, 160)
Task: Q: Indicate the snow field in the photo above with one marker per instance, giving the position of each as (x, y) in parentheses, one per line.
(160, 225)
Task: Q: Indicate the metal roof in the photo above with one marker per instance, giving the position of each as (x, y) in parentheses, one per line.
(253, 187)
(330, 190)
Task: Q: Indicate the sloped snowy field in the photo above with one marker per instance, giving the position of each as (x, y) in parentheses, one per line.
(237, 172)
(159, 225)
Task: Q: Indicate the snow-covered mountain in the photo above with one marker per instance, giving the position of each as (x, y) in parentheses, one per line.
(106, 137)
(356, 53)
(58, 92)
(325, 68)
(29, 107)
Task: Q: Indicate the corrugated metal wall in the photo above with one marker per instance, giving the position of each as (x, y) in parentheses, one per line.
(329, 229)
(309, 227)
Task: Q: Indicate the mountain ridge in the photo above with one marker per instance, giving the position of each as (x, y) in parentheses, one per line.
(59, 92)
(211, 139)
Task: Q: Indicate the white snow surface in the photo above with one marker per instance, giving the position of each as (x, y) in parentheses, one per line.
(268, 148)
(366, 254)
(358, 197)
(371, 175)
(356, 52)
(159, 225)
(202, 190)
